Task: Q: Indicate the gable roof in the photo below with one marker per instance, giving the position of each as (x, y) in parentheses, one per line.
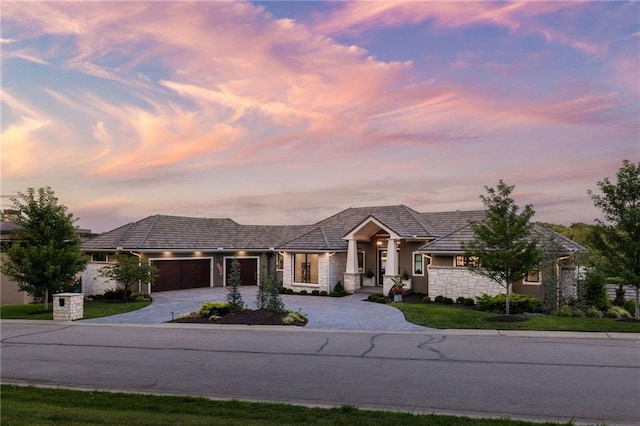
(328, 234)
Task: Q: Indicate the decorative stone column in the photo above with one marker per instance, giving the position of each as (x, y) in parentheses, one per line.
(352, 275)
(68, 306)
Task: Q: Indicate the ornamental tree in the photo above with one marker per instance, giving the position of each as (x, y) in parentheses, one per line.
(503, 243)
(128, 271)
(617, 238)
(46, 256)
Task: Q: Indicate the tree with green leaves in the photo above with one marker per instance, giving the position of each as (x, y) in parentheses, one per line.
(234, 297)
(46, 257)
(128, 271)
(504, 244)
(617, 238)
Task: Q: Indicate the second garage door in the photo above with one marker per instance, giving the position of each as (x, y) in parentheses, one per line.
(182, 274)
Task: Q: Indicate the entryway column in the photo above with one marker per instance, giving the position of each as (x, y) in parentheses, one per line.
(392, 258)
(391, 270)
(352, 275)
(352, 257)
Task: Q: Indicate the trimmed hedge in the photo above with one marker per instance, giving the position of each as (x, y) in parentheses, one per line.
(518, 303)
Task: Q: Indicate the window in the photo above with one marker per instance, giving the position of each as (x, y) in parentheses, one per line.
(305, 268)
(98, 257)
(466, 261)
(533, 276)
(360, 261)
(280, 262)
(418, 264)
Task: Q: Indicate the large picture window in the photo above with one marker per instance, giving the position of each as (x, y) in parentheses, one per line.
(305, 268)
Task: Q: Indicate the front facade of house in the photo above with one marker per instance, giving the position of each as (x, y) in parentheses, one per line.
(360, 247)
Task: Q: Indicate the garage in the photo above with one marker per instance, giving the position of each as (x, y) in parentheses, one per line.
(248, 270)
(182, 274)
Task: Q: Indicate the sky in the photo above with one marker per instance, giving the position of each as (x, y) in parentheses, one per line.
(289, 112)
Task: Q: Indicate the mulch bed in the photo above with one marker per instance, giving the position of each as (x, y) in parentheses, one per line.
(246, 317)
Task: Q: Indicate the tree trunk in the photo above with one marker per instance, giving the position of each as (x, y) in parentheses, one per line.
(46, 299)
(508, 294)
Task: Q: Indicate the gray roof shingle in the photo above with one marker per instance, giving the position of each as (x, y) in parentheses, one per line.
(161, 232)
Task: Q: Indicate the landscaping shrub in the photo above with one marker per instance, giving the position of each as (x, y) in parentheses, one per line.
(377, 298)
(594, 312)
(293, 316)
(323, 293)
(214, 308)
(426, 299)
(630, 306)
(568, 311)
(469, 302)
(460, 300)
(303, 292)
(518, 303)
(447, 301)
(338, 290)
(315, 292)
(117, 294)
(439, 299)
(618, 312)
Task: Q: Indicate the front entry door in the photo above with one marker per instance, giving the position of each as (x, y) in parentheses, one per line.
(382, 265)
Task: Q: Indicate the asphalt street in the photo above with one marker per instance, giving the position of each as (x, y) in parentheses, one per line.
(554, 376)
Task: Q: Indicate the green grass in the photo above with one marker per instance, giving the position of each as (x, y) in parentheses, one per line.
(30, 405)
(92, 309)
(452, 316)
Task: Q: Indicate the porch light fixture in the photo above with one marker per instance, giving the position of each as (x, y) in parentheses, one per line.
(379, 243)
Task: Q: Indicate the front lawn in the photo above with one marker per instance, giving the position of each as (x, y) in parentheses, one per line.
(92, 309)
(29, 405)
(455, 316)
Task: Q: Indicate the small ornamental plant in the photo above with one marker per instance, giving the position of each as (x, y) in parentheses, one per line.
(397, 287)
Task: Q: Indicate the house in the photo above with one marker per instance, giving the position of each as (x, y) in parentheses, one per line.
(364, 246)
(10, 293)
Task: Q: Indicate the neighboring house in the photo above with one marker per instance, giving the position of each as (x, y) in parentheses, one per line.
(10, 293)
(382, 242)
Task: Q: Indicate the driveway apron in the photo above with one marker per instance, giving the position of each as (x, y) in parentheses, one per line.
(351, 312)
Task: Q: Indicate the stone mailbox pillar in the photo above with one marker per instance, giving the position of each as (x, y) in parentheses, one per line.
(68, 306)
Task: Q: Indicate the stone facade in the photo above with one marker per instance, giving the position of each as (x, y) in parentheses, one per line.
(68, 306)
(459, 282)
(94, 284)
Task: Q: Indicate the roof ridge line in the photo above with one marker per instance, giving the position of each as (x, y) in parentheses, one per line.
(156, 218)
(128, 226)
(324, 236)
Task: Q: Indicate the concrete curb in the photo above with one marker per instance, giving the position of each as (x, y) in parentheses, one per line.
(296, 329)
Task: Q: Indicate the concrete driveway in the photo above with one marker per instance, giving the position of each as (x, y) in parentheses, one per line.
(326, 313)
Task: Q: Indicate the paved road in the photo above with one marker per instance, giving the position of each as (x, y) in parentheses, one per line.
(521, 375)
(324, 313)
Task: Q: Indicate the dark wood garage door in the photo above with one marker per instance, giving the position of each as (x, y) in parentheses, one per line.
(248, 270)
(182, 274)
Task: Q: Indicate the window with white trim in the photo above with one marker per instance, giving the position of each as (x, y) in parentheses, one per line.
(533, 277)
(305, 268)
(280, 262)
(418, 264)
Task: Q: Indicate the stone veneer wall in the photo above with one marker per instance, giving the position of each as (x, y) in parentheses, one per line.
(73, 308)
(569, 282)
(93, 283)
(459, 282)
